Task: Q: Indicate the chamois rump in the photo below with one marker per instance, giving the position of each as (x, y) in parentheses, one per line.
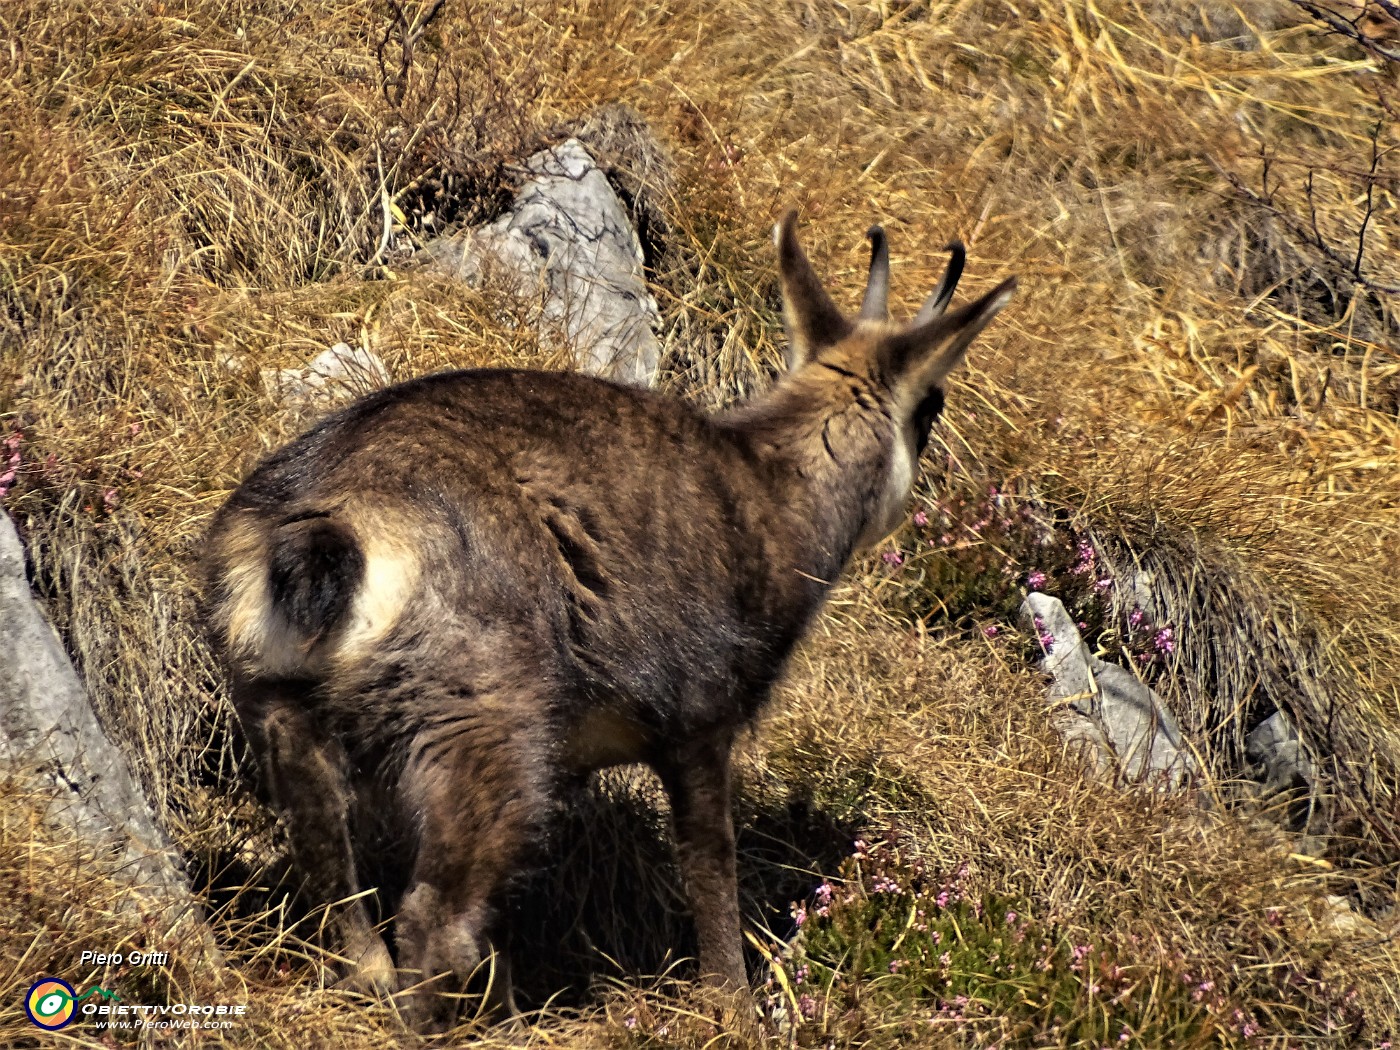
(461, 593)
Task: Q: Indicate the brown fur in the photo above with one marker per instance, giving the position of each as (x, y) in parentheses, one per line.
(465, 590)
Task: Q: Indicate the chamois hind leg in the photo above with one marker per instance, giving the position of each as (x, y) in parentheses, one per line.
(305, 774)
(481, 783)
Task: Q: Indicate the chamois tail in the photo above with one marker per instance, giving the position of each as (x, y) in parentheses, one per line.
(315, 568)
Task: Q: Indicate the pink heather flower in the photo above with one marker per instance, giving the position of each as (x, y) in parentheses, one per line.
(1136, 618)
(1084, 559)
(1047, 641)
(134, 429)
(895, 964)
(920, 518)
(1165, 641)
(800, 974)
(10, 460)
(884, 884)
(892, 558)
(823, 893)
(1011, 918)
(630, 1021)
(1124, 1036)
(799, 916)
(110, 499)
(942, 899)
(807, 1006)
(1082, 625)
(1104, 584)
(991, 630)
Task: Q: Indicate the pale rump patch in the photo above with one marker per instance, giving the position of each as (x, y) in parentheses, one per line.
(392, 573)
(262, 639)
(257, 635)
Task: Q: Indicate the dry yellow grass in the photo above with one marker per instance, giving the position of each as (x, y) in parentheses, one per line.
(1201, 369)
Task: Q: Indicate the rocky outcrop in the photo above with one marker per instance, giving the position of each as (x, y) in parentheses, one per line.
(568, 245)
(50, 740)
(1122, 727)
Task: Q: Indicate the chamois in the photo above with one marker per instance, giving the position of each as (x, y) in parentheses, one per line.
(461, 593)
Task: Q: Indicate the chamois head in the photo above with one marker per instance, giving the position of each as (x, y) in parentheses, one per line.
(876, 385)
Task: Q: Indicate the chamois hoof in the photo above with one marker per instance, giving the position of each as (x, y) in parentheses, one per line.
(371, 972)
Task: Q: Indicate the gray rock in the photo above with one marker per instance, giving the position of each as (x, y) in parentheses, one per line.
(337, 374)
(1286, 772)
(1105, 710)
(51, 740)
(1275, 745)
(568, 244)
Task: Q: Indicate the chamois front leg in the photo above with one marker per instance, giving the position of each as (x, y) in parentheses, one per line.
(697, 780)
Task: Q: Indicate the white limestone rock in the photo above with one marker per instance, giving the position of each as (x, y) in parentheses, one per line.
(1122, 725)
(569, 245)
(50, 739)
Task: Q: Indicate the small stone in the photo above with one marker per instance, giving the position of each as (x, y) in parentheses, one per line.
(338, 374)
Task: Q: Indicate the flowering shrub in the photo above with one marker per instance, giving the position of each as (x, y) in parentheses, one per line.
(10, 459)
(964, 558)
(897, 947)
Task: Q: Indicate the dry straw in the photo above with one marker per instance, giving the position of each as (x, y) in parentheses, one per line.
(1201, 370)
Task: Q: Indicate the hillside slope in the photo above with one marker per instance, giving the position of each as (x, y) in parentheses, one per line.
(1199, 379)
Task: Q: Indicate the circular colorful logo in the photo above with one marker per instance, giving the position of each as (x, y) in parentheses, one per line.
(49, 1003)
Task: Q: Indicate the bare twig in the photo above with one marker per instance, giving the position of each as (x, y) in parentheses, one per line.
(1308, 230)
(1370, 200)
(1351, 27)
(409, 30)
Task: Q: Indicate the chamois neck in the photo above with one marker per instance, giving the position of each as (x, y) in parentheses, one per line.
(820, 495)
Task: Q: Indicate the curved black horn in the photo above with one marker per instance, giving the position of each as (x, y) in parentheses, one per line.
(936, 303)
(876, 304)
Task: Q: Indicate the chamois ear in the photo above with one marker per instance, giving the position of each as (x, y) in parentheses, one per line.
(920, 356)
(813, 321)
